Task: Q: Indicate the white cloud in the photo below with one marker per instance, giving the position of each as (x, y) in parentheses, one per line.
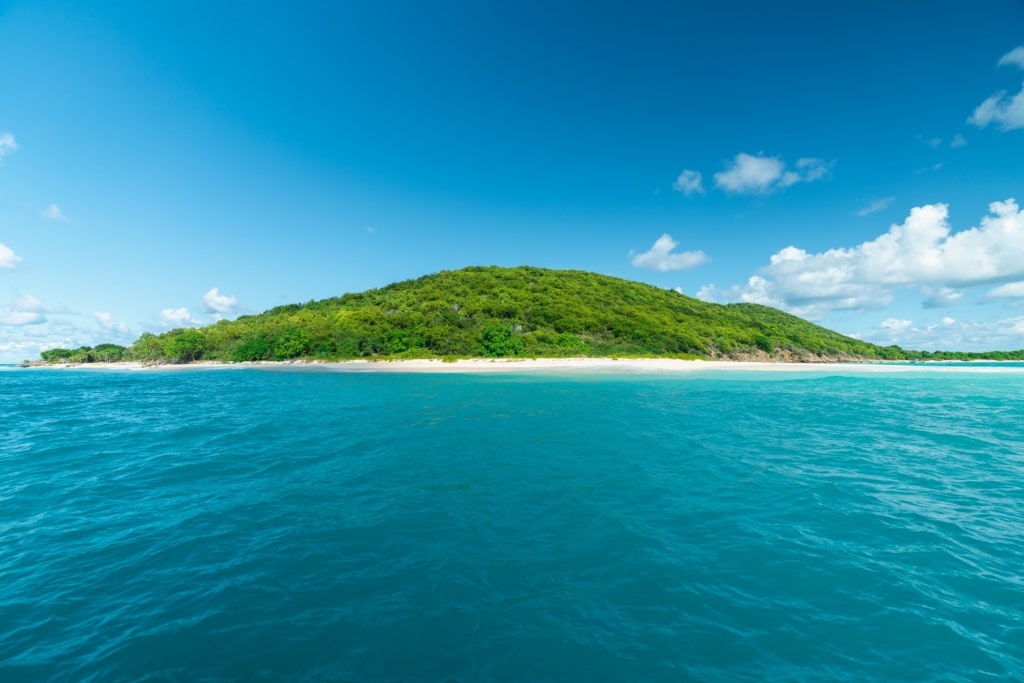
(750, 174)
(8, 259)
(7, 144)
(1014, 57)
(27, 339)
(940, 297)
(8, 348)
(220, 304)
(21, 318)
(958, 141)
(896, 325)
(757, 290)
(27, 302)
(876, 205)
(707, 293)
(760, 174)
(922, 253)
(689, 182)
(660, 256)
(950, 334)
(177, 317)
(1007, 111)
(24, 310)
(53, 213)
(931, 142)
(1010, 289)
(107, 322)
(810, 170)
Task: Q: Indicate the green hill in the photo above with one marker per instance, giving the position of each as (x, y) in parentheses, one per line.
(492, 311)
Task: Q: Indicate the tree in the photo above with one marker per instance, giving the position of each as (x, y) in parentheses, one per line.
(500, 340)
(148, 347)
(292, 343)
(251, 348)
(187, 346)
(56, 355)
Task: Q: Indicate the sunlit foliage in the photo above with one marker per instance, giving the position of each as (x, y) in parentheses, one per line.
(495, 312)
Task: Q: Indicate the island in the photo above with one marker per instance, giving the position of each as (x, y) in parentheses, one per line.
(497, 312)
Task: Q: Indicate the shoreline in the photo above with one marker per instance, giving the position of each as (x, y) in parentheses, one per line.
(537, 365)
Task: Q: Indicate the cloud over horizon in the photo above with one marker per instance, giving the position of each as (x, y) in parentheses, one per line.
(948, 334)
(922, 252)
(24, 310)
(660, 256)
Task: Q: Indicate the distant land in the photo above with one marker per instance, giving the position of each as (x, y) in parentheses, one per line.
(493, 312)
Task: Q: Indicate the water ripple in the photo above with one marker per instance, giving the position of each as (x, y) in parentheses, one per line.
(236, 526)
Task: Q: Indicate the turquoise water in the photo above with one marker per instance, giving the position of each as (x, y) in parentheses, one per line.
(276, 525)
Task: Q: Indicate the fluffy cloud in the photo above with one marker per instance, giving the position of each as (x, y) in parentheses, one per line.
(24, 310)
(660, 256)
(1002, 109)
(689, 182)
(8, 259)
(1010, 289)
(21, 318)
(950, 334)
(107, 322)
(13, 350)
(220, 304)
(1014, 57)
(958, 141)
(7, 144)
(922, 252)
(177, 317)
(940, 297)
(896, 325)
(53, 213)
(760, 174)
(876, 205)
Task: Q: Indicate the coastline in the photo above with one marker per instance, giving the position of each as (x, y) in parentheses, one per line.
(534, 365)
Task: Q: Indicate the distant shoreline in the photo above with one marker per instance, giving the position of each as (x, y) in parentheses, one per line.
(520, 365)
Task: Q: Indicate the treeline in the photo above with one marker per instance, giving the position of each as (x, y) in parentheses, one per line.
(495, 312)
(101, 353)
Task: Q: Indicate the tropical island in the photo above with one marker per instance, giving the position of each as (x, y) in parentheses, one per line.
(495, 312)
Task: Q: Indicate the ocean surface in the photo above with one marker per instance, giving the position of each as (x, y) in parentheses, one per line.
(296, 525)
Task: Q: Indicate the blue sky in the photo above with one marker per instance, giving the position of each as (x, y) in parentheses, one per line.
(166, 164)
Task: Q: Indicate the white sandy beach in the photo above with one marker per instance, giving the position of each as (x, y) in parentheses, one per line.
(542, 365)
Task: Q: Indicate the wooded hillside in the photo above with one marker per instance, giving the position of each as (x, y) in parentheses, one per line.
(492, 311)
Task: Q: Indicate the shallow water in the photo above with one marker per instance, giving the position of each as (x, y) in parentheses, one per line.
(317, 526)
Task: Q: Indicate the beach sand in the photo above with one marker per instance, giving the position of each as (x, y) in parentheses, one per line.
(536, 365)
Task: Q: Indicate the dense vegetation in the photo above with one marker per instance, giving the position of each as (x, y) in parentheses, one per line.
(495, 312)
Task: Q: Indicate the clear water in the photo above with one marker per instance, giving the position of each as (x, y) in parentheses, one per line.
(249, 525)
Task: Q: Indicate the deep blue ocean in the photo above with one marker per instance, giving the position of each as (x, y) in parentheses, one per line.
(298, 525)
